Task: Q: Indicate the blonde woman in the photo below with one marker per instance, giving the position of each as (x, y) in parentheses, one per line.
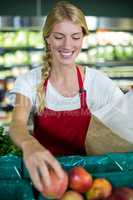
(61, 95)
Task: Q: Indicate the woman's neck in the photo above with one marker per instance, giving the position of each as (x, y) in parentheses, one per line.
(63, 73)
(64, 79)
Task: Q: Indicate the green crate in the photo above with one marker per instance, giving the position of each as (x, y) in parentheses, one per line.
(10, 167)
(111, 162)
(116, 167)
(16, 190)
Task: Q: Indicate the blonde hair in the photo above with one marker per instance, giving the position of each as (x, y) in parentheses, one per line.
(62, 10)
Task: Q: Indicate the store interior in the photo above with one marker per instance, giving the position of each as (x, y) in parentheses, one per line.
(108, 47)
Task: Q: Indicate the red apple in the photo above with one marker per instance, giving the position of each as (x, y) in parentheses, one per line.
(79, 179)
(57, 187)
(121, 193)
(72, 195)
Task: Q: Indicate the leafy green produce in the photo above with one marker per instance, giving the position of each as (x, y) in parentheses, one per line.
(119, 52)
(35, 39)
(1, 39)
(128, 50)
(8, 39)
(21, 38)
(6, 145)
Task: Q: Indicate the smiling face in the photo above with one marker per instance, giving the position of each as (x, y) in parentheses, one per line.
(65, 42)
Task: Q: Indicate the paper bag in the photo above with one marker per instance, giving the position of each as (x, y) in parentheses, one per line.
(101, 139)
(111, 127)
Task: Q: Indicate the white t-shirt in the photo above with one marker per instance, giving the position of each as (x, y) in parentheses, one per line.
(101, 91)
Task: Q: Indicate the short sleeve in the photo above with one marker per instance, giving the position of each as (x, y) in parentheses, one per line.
(26, 85)
(103, 93)
(21, 86)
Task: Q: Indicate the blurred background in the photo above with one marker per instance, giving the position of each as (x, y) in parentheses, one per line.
(109, 46)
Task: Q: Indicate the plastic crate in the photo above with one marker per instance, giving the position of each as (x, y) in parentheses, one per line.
(116, 167)
(10, 167)
(16, 190)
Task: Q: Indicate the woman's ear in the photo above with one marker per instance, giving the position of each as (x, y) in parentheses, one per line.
(47, 40)
(47, 43)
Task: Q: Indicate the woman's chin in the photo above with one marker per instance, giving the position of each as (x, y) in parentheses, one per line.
(67, 61)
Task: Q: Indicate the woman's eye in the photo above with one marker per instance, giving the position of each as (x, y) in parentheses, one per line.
(76, 38)
(58, 38)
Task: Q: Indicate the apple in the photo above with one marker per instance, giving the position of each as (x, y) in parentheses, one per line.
(72, 195)
(57, 187)
(79, 179)
(121, 193)
(100, 189)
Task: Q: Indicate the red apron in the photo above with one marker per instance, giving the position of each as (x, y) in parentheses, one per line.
(64, 132)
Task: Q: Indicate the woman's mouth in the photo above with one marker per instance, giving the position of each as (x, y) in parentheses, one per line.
(65, 54)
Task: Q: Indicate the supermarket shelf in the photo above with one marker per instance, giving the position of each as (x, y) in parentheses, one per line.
(115, 63)
(109, 63)
(97, 64)
(8, 49)
(35, 22)
(122, 78)
(4, 68)
(96, 46)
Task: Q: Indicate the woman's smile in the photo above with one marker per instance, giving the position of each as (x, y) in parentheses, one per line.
(66, 54)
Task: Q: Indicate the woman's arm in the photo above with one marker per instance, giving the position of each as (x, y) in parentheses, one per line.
(18, 128)
(37, 159)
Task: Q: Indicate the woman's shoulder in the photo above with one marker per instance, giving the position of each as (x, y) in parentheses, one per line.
(33, 73)
(94, 71)
(33, 76)
(26, 84)
(94, 74)
(98, 79)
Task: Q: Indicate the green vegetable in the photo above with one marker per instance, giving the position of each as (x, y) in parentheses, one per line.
(6, 145)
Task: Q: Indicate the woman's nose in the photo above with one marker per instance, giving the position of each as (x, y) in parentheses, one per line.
(67, 43)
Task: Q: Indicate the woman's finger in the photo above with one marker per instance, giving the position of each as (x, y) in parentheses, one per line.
(35, 177)
(54, 164)
(44, 173)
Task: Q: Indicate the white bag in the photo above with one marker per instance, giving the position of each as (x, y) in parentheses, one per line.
(119, 117)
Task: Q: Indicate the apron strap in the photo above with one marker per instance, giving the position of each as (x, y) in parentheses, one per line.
(81, 87)
(45, 84)
(82, 91)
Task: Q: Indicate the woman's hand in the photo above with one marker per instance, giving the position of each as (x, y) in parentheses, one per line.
(38, 161)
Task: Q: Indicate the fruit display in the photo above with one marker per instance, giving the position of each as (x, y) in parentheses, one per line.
(79, 184)
(107, 184)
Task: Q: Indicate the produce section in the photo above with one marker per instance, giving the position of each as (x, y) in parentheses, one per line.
(20, 50)
(111, 52)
